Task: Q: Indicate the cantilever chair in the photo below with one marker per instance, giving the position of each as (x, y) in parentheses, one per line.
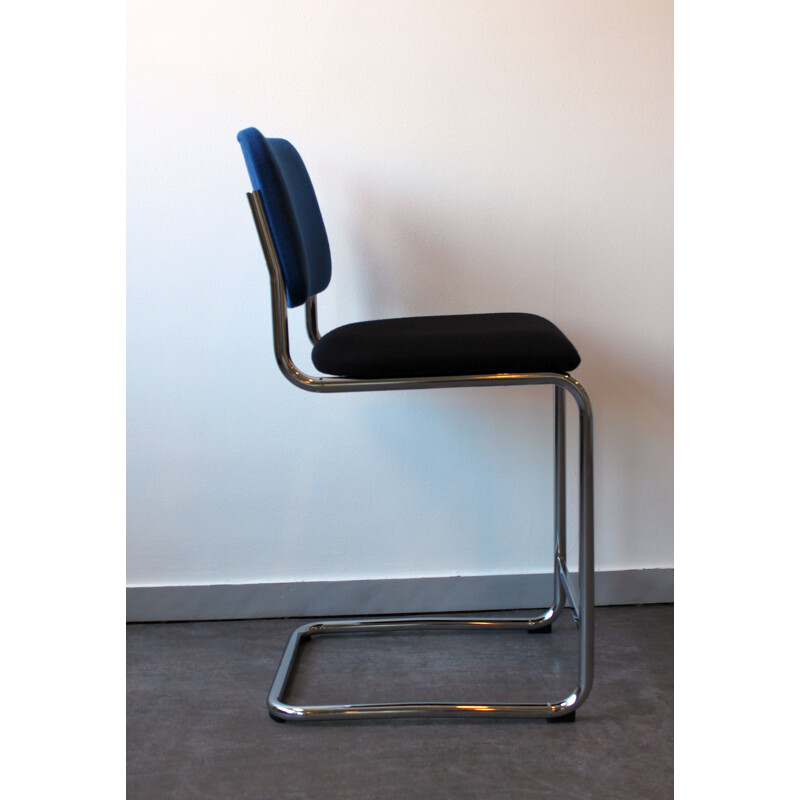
(436, 352)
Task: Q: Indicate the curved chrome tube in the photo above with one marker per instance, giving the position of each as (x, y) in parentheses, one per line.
(285, 710)
(311, 319)
(583, 610)
(280, 330)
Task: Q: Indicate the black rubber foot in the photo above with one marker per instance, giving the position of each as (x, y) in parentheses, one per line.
(563, 718)
(542, 628)
(277, 719)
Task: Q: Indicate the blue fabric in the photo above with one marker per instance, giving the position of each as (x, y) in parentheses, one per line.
(278, 174)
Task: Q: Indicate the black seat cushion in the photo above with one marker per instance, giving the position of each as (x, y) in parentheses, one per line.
(464, 344)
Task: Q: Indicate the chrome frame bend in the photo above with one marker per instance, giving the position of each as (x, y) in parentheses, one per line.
(311, 320)
(583, 609)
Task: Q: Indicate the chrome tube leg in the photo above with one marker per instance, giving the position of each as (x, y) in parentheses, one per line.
(584, 613)
(559, 514)
(560, 710)
(560, 497)
(586, 549)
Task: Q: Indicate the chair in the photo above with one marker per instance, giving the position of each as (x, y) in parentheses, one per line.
(437, 352)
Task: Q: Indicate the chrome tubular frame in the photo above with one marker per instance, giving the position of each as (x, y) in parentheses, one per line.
(582, 610)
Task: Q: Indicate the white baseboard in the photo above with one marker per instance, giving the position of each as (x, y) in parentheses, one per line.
(390, 596)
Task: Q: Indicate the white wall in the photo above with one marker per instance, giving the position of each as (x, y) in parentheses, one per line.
(504, 155)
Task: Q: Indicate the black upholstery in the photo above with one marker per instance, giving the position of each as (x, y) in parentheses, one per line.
(464, 344)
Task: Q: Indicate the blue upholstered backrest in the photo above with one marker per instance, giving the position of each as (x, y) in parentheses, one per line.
(277, 172)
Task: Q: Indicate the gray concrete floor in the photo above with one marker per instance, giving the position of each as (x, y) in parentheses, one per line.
(198, 726)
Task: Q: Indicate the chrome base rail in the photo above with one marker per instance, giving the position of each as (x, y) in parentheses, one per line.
(582, 610)
(283, 711)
